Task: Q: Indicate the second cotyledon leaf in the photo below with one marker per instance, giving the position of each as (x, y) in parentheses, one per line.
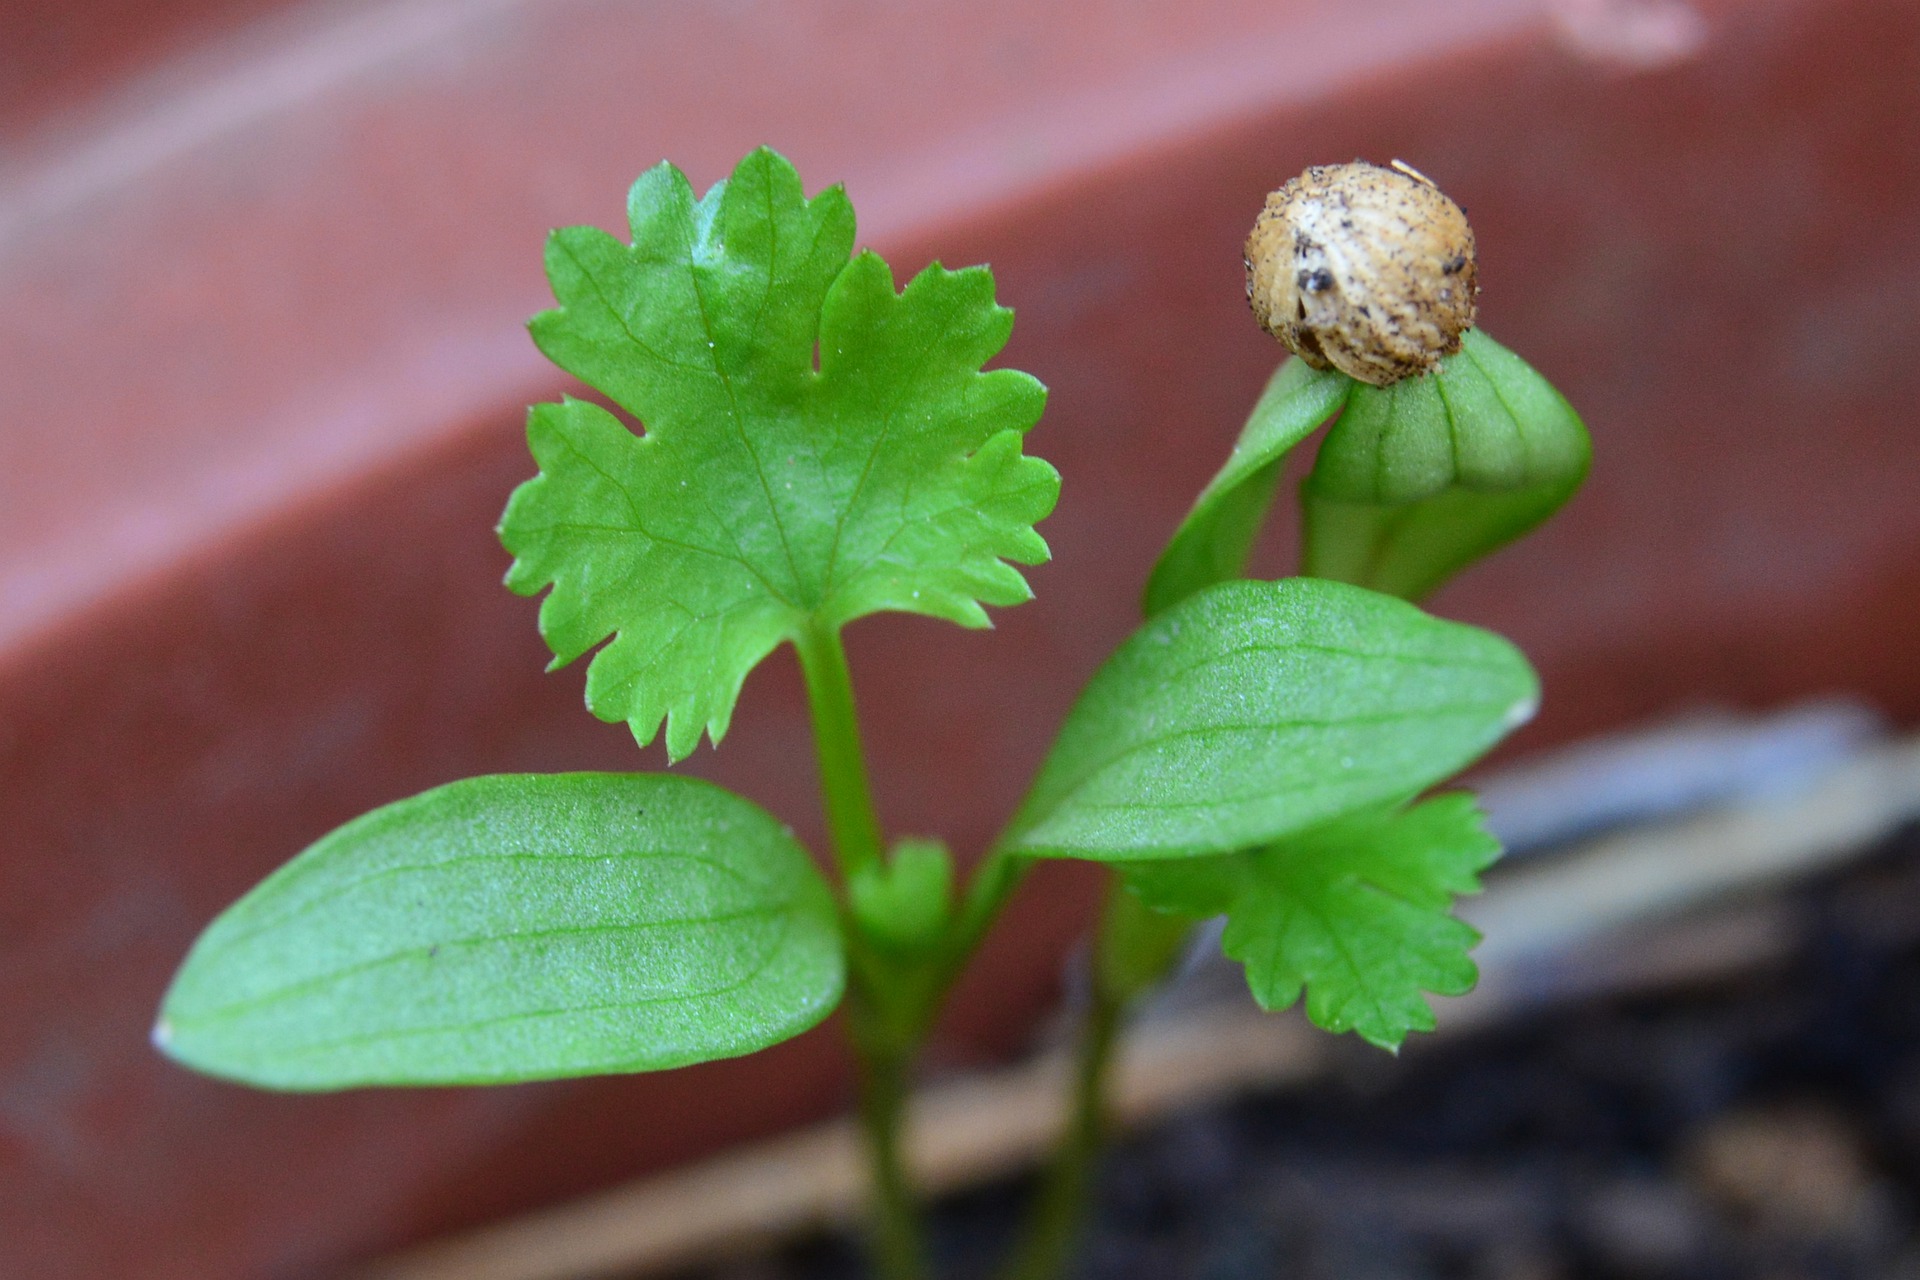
(814, 446)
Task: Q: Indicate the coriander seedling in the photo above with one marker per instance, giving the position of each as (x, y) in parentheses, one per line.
(805, 444)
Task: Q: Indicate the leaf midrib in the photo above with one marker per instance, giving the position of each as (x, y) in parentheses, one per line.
(330, 894)
(294, 990)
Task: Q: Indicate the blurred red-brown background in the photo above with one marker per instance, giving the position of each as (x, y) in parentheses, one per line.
(263, 275)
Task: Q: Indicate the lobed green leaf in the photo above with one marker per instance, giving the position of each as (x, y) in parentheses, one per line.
(767, 495)
(1354, 912)
(1253, 710)
(515, 927)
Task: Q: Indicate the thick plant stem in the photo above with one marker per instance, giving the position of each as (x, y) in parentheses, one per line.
(851, 817)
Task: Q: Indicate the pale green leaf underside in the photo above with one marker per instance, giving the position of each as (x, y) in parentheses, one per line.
(515, 927)
(766, 495)
(1253, 710)
(1354, 912)
(1212, 543)
(1411, 548)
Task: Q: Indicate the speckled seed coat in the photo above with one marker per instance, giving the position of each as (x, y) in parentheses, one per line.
(1363, 269)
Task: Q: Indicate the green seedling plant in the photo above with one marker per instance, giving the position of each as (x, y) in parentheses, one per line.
(804, 444)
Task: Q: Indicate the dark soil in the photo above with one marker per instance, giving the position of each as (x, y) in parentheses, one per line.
(1764, 1128)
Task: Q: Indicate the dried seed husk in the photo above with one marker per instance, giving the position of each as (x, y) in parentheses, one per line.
(1363, 269)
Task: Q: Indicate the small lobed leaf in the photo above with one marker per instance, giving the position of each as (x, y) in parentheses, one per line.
(1354, 912)
(1212, 543)
(905, 902)
(515, 927)
(1253, 710)
(766, 494)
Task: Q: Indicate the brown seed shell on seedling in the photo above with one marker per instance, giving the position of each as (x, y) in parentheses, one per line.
(1362, 269)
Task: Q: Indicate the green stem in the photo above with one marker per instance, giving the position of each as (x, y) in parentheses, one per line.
(1059, 1214)
(851, 818)
(1134, 949)
(885, 1056)
(988, 889)
(899, 1250)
